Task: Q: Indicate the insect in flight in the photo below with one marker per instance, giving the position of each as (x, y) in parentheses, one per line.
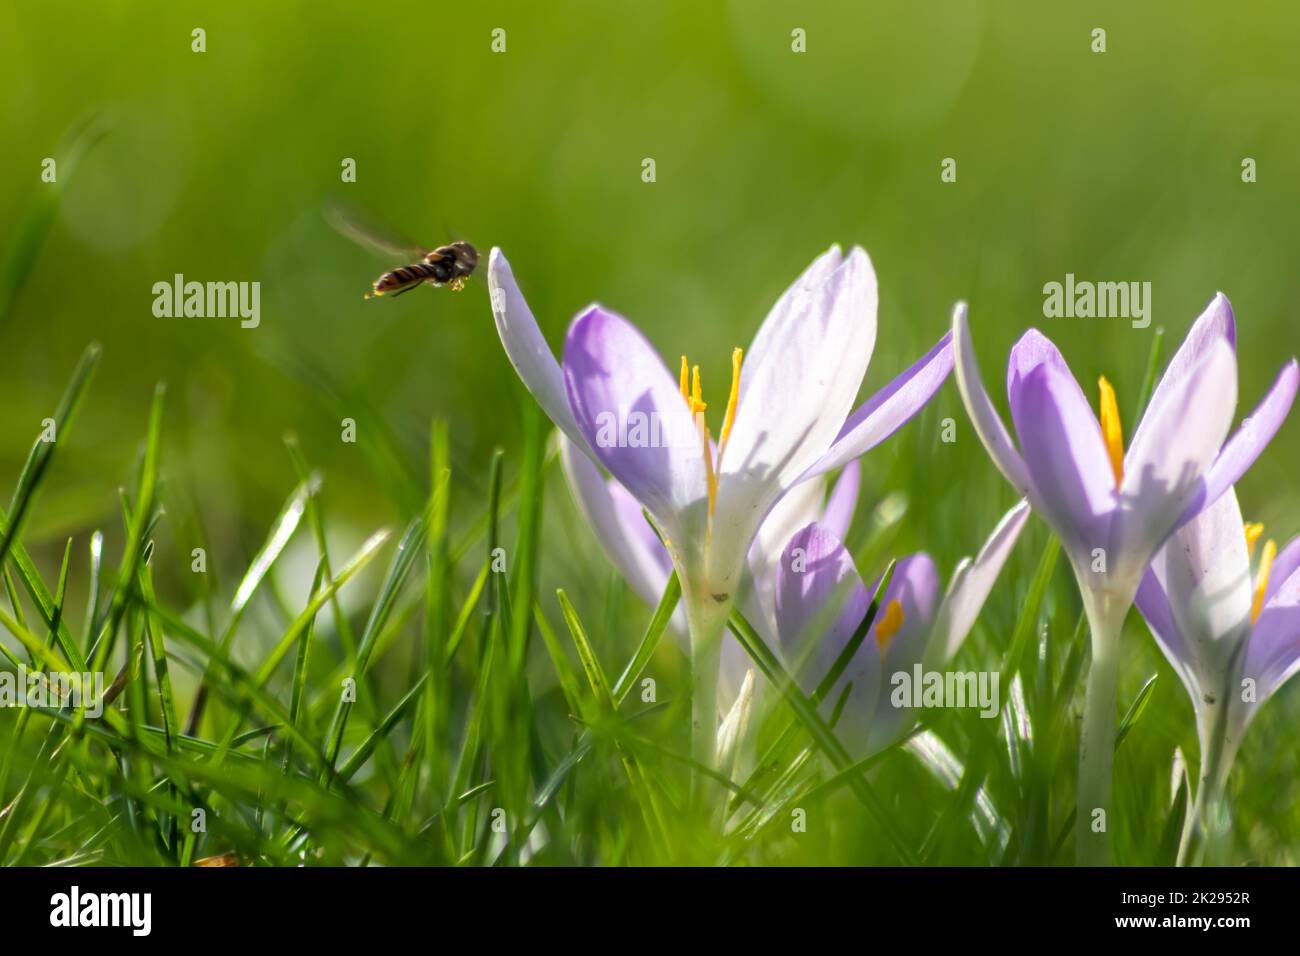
(450, 265)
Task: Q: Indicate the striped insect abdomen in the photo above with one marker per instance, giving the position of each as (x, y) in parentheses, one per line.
(404, 277)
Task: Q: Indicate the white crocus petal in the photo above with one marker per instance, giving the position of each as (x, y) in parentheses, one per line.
(1204, 571)
(970, 587)
(527, 349)
(988, 425)
(1177, 439)
(781, 312)
(1214, 324)
(796, 395)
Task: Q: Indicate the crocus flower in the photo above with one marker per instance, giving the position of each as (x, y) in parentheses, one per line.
(821, 601)
(1232, 640)
(1111, 507)
(635, 550)
(787, 418)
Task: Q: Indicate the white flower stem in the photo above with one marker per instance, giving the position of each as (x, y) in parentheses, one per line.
(1097, 745)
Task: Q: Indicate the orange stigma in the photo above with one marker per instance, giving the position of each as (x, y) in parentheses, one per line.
(889, 625)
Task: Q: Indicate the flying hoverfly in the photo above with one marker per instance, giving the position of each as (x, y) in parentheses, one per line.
(450, 265)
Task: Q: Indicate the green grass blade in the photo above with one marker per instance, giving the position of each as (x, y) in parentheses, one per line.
(29, 237)
(822, 735)
(409, 549)
(136, 533)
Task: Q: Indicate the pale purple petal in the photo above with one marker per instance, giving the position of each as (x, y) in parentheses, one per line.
(620, 527)
(631, 413)
(988, 425)
(1153, 604)
(843, 501)
(527, 349)
(821, 601)
(798, 508)
(1073, 484)
(1273, 654)
(1180, 435)
(970, 587)
(1284, 565)
(890, 408)
(1246, 444)
(1154, 607)
(915, 586)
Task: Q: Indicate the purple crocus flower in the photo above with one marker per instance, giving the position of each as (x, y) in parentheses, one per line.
(1233, 639)
(636, 551)
(1112, 508)
(821, 601)
(787, 419)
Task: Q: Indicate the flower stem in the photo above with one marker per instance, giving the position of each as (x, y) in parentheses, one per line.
(705, 618)
(1204, 839)
(704, 701)
(1097, 745)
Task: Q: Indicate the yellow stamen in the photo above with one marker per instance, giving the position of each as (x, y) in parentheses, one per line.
(1261, 578)
(697, 393)
(1253, 530)
(889, 625)
(709, 475)
(1111, 430)
(693, 392)
(737, 355)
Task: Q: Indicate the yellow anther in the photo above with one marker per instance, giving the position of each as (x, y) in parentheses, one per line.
(889, 625)
(698, 404)
(1253, 530)
(737, 355)
(684, 380)
(1261, 578)
(1111, 431)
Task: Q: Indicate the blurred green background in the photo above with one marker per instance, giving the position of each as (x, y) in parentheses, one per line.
(1117, 166)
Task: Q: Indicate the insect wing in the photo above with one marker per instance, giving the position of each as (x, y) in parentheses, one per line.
(374, 237)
